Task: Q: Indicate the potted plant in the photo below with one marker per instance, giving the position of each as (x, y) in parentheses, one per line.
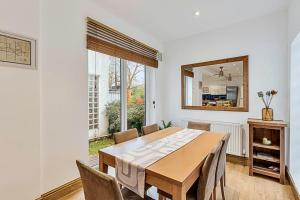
(166, 125)
(267, 112)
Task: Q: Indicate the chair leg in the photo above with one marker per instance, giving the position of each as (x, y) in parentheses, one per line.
(222, 188)
(215, 193)
(224, 180)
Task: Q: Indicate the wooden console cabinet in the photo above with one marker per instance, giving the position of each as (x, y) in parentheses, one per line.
(266, 159)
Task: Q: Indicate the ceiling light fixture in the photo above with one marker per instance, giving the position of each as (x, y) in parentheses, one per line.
(197, 13)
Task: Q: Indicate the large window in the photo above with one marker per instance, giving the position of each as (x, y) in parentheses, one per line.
(117, 84)
(116, 94)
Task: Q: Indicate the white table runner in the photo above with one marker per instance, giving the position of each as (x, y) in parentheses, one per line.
(131, 165)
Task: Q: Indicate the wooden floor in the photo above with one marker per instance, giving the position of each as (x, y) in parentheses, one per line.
(244, 187)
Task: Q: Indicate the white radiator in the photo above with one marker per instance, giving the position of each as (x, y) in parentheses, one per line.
(236, 145)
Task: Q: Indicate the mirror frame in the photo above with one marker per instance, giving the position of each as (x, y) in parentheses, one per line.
(245, 60)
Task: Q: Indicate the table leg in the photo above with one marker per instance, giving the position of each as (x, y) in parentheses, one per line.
(178, 193)
(102, 166)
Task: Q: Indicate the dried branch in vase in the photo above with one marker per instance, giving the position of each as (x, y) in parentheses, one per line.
(267, 97)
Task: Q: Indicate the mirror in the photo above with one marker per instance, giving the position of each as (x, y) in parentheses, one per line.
(216, 85)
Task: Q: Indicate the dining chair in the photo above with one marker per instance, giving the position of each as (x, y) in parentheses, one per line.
(150, 129)
(125, 135)
(199, 126)
(221, 167)
(97, 185)
(203, 188)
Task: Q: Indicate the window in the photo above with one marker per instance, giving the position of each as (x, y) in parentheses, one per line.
(119, 67)
(189, 90)
(116, 94)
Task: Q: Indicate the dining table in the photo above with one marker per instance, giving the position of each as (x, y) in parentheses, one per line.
(176, 172)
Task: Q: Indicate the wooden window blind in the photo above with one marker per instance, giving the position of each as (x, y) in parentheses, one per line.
(106, 40)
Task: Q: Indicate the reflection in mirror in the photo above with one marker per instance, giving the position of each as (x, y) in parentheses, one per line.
(214, 86)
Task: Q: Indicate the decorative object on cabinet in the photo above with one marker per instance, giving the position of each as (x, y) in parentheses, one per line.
(267, 159)
(17, 51)
(266, 141)
(267, 112)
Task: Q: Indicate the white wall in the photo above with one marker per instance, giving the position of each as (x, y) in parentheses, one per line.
(19, 109)
(295, 112)
(263, 39)
(294, 52)
(294, 20)
(64, 84)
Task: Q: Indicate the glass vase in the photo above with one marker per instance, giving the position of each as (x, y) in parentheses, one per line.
(267, 114)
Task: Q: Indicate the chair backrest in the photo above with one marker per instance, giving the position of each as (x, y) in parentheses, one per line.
(150, 129)
(208, 174)
(97, 185)
(125, 135)
(199, 126)
(222, 159)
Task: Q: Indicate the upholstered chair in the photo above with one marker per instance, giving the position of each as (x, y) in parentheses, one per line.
(199, 126)
(125, 135)
(203, 189)
(220, 174)
(150, 129)
(98, 185)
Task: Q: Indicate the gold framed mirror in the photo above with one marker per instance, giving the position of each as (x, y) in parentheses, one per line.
(220, 85)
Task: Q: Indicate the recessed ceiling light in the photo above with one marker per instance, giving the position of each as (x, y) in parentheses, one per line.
(197, 13)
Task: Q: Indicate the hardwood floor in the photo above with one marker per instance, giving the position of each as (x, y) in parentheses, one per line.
(239, 184)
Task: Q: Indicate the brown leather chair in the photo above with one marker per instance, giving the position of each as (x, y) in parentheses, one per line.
(98, 185)
(220, 174)
(203, 189)
(199, 126)
(150, 129)
(125, 135)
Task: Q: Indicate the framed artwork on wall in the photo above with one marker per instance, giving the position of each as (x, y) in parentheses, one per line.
(17, 51)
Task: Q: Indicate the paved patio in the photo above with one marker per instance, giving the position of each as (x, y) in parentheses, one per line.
(94, 162)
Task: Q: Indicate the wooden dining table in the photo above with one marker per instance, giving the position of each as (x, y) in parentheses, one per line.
(174, 173)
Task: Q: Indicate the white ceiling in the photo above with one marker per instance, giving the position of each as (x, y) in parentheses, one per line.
(174, 19)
